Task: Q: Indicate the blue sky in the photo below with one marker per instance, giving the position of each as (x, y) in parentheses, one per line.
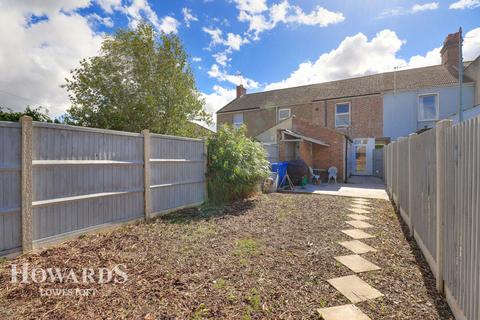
(261, 44)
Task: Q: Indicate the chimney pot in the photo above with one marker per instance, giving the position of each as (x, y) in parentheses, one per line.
(241, 91)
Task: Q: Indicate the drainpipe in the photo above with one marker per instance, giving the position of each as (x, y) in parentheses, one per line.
(325, 110)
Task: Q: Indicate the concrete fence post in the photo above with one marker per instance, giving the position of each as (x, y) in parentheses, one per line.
(146, 175)
(410, 182)
(440, 195)
(27, 227)
(205, 162)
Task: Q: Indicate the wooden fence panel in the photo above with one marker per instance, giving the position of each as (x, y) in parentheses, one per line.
(403, 176)
(177, 172)
(10, 188)
(455, 259)
(462, 219)
(424, 193)
(84, 178)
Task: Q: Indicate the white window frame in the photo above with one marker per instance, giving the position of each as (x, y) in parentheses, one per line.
(437, 106)
(237, 124)
(343, 113)
(282, 109)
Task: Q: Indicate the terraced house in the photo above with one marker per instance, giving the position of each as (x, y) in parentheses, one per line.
(341, 123)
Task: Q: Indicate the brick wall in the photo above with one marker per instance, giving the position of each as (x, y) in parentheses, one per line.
(323, 157)
(366, 116)
(256, 121)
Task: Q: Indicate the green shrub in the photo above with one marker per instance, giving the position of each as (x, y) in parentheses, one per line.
(236, 165)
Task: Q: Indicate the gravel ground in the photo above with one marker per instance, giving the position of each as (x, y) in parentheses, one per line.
(263, 258)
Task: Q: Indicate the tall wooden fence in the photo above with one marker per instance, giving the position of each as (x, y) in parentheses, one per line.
(434, 180)
(58, 180)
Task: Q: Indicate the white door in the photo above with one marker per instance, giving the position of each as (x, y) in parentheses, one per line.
(363, 156)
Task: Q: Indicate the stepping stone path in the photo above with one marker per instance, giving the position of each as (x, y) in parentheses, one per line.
(356, 263)
(357, 246)
(359, 224)
(357, 234)
(360, 206)
(356, 210)
(352, 287)
(355, 289)
(346, 312)
(357, 216)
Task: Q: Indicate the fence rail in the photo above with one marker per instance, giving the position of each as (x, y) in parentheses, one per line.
(434, 180)
(58, 180)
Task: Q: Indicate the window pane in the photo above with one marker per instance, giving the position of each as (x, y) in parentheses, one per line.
(283, 114)
(342, 120)
(428, 108)
(343, 108)
(237, 119)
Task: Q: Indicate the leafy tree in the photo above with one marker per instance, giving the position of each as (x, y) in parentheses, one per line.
(236, 165)
(139, 81)
(37, 114)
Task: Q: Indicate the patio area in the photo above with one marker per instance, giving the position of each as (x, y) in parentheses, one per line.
(358, 186)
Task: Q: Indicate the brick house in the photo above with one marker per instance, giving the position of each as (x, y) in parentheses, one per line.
(361, 112)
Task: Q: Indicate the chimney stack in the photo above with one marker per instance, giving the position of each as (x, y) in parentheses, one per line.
(241, 91)
(450, 52)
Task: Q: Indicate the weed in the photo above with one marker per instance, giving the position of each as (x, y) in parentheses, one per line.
(245, 249)
(220, 284)
(323, 303)
(338, 264)
(201, 312)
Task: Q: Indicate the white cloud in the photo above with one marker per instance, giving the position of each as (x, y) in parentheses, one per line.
(416, 8)
(355, 56)
(169, 25)
(471, 45)
(424, 7)
(35, 58)
(358, 56)
(196, 59)
(139, 10)
(109, 5)
(234, 41)
(188, 16)
(95, 18)
(260, 17)
(217, 99)
(252, 6)
(221, 58)
(465, 4)
(215, 34)
(220, 75)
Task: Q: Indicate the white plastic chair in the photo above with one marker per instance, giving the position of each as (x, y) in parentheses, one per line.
(332, 173)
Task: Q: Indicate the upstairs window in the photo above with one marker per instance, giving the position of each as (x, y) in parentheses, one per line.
(342, 115)
(283, 114)
(428, 107)
(237, 120)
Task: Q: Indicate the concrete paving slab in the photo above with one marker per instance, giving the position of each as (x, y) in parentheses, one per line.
(358, 210)
(358, 216)
(355, 289)
(361, 200)
(357, 246)
(345, 312)
(360, 206)
(358, 234)
(356, 263)
(359, 224)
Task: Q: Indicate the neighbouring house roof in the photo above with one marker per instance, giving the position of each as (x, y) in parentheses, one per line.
(303, 137)
(408, 79)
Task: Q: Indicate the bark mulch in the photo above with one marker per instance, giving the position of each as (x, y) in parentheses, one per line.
(262, 258)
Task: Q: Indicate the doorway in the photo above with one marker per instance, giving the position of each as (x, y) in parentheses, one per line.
(363, 156)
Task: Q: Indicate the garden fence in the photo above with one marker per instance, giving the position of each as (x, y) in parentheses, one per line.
(434, 180)
(58, 180)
